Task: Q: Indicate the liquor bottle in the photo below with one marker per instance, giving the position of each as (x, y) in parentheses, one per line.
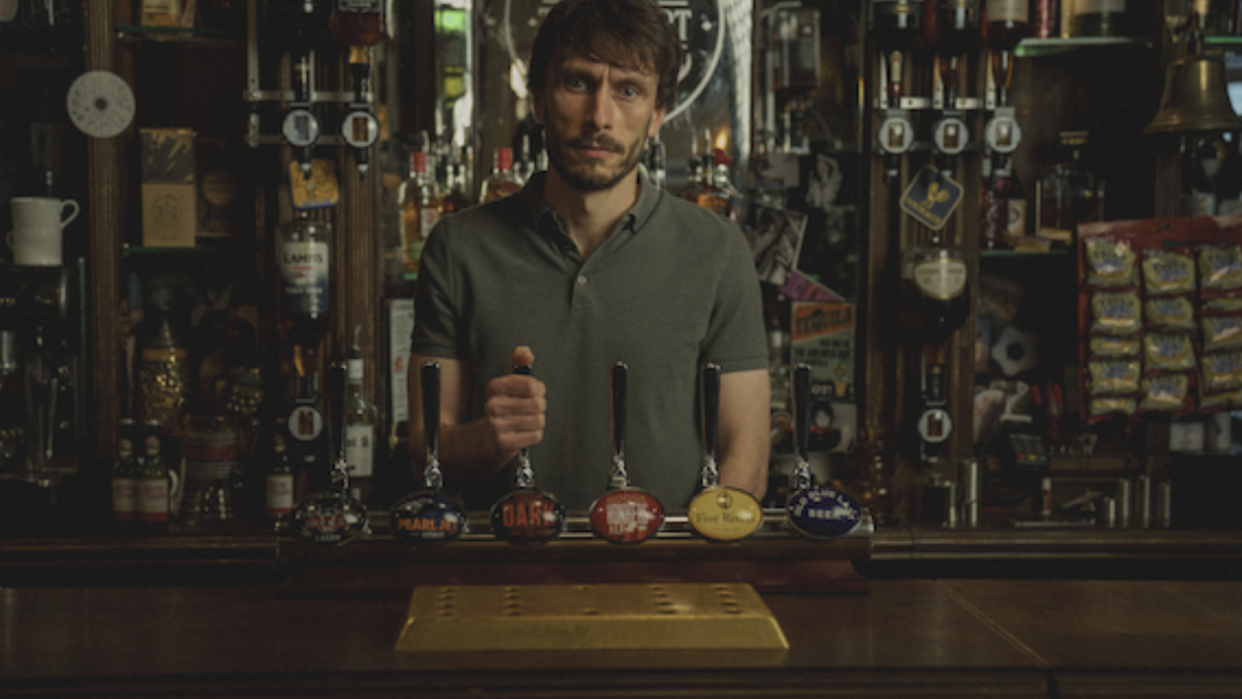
(1015, 229)
(657, 169)
(420, 207)
(502, 182)
(716, 192)
(935, 296)
(125, 475)
(895, 26)
(1046, 19)
(951, 30)
(994, 205)
(152, 504)
(873, 485)
(306, 279)
(1093, 19)
(455, 197)
(161, 13)
(1006, 22)
(525, 166)
(361, 417)
(694, 170)
(1067, 193)
(359, 22)
(1198, 192)
(278, 499)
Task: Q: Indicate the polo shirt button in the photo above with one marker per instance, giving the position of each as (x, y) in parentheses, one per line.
(582, 280)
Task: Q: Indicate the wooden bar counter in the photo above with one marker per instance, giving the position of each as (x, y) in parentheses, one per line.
(324, 622)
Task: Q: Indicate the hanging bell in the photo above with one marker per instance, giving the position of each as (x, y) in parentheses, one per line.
(1195, 98)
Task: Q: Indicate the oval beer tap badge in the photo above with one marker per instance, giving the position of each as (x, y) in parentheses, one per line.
(720, 514)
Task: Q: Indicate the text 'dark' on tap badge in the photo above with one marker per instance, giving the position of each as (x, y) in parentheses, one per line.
(931, 197)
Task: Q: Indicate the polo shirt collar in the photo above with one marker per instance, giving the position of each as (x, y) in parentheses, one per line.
(540, 217)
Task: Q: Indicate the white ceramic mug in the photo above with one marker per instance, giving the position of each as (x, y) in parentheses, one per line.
(41, 247)
(42, 213)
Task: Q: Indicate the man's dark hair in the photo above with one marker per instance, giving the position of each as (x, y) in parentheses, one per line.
(629, 33)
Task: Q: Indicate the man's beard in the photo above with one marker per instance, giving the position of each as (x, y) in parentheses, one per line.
(588, 178)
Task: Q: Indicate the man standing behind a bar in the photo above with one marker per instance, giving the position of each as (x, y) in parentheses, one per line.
(588, 265)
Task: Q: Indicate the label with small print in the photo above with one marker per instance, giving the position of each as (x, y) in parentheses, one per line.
(124, 499)
(152, 500)
(279, 494)
(931, 198)
(360, 450)
(725, 514)
(942, 278)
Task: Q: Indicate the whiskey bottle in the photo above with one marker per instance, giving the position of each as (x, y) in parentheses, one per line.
(502, 182)
(152, 503)
(278, 499)
(456, 185)
(125, 474)
(420, 206)
(1067, 193)
(305, 274)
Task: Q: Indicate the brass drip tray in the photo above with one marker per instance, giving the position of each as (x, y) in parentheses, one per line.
(683, 616)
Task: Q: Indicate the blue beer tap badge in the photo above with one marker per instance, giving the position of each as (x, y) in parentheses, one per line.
(931, 197)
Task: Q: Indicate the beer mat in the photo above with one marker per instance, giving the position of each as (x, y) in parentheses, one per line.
(620, 616)
(931, 198)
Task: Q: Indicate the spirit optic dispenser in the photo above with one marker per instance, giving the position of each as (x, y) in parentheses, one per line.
(360, 25)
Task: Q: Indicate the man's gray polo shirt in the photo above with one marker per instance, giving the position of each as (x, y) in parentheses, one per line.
(673, 287)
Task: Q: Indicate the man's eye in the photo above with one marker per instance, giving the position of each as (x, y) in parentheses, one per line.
(630, 92)
(575, 83)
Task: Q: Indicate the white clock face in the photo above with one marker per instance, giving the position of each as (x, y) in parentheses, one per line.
(100, 104)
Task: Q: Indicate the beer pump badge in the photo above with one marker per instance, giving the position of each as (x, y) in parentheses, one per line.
(527, 515)
(931, 197)
(429, 516)
(625, 514)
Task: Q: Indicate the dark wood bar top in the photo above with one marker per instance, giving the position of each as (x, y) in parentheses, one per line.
(904, 638)
(901, 639)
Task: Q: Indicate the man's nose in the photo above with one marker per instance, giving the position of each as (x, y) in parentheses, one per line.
(600, 109)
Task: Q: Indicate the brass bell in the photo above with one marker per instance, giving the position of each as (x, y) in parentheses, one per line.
(1195, 98)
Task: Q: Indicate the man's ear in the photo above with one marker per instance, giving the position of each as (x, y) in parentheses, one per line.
(657, 120)
(536, 101)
